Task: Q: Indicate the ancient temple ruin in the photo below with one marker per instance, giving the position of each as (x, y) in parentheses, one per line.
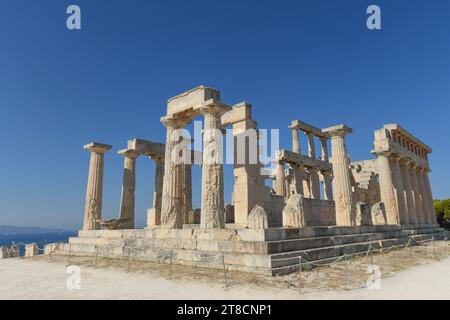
(320, 204)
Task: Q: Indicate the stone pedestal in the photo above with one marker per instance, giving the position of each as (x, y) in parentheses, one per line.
(127, 202)
(213, 206)
(94, 193)
(342, 187)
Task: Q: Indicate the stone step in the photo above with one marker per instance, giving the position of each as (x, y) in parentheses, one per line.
(285, 263)
(319, 242)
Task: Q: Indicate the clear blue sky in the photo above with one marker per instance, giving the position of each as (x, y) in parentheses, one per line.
(309, 60)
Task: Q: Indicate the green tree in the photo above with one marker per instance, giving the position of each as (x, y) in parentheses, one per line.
(442, 207)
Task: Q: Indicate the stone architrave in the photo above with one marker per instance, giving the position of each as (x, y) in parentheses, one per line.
(213, 206)
(173, 193)
(94, 192)
(293, 212)
(342, 187)
(127, 203)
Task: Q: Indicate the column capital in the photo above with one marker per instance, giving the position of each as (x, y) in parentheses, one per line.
(174, 123)
(217, 109)
(337, 131)
(97, 147)
(157, 159)
(129, 153)
(395, 157)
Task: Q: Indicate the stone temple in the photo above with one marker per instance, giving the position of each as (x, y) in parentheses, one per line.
(320, 205)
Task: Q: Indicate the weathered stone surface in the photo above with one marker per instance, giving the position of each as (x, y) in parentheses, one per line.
(293, 212)
(257, 218)
(363, 214)
(378, 213)
(3, 252)
(31, 250)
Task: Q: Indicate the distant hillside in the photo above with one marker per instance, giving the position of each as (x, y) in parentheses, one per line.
(15, 230)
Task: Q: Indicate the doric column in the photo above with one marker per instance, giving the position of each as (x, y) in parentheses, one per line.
(399, 189)
(158, 187)
(213, 207)
(187, 201)
(295, 141)
(342, 187)
(409, 198)
(127, 201)
(324, 144)
(314, 176)
(299, 171)
(315, 183)
(387, 189)
(172, 197)
(94, 192)
(415, 183)
(429, 196)
(327, 181)
(423, 198)
(279, 183)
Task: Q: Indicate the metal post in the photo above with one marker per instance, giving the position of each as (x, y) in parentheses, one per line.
(129, 259)
(224, 271)
(70, 249)
(345, 271)
(170, 264)
(300, 274)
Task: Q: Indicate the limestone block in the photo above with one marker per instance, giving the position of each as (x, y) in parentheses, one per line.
(3, 252)
(31, 250)
(363, 215)
(153, 217)
(14, 251)
(293, 213)
(378, 213)
(50, 248)
(257, 218)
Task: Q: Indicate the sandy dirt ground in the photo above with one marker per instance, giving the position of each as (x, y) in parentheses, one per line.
(419, 273)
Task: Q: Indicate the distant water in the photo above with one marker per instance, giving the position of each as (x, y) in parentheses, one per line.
(40, 238)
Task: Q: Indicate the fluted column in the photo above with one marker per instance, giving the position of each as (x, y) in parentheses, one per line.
(315, 183)
(295, 141)
(423, 198)
(172, 197)
(158, 187)
(407, 185)
(399, 189)
(187, 201)
(94, 191)
(213, 207)
(299, 171)
(279, 183)
(387, 189)
(127, 201)
(342, 187)
(324, 144)
(314, 176)
(415, 183)
(328, 191)
(429, 196)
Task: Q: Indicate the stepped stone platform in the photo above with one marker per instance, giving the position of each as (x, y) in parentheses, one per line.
(274, 251)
